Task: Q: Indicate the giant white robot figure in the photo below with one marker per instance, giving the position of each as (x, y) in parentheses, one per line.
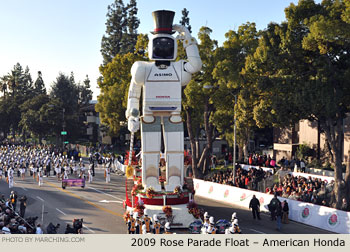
(160, 82)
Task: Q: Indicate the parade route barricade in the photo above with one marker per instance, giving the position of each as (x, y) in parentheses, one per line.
(73, 183)
(322, 217)
(247, 167)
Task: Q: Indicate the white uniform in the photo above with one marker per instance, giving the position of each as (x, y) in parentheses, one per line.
(90, 174)
(65, 174)
(108, 174)
(40, 177)
(82, 171)
(161, 86)
(10, 176)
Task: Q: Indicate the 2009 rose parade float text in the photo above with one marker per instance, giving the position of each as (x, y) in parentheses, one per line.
(232, 242)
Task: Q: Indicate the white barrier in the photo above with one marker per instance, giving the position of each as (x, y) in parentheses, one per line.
(307, 175)
(318, 216)
(246, 167)
(295, 174)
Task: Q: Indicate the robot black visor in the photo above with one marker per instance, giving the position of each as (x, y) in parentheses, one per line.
(163, 48)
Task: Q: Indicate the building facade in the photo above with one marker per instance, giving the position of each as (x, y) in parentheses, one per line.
(287, 140)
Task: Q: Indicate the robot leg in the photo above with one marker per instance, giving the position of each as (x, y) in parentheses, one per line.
(151, 137)
(174, 153)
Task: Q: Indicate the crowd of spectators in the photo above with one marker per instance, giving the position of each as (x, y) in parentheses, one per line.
(312, 190)
(14, 222)
(248, 179)
(294, 164)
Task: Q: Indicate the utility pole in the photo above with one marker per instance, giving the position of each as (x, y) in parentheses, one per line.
(63, 127)
(234, 140)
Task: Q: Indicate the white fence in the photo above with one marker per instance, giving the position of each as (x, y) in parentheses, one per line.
(318, 216)
(295, 174)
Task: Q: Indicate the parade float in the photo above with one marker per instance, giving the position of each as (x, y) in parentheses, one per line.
(159, 184)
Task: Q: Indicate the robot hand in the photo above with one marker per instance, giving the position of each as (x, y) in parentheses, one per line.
(133, 124)
(183, 31)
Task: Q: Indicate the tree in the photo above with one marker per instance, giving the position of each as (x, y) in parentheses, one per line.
(132, 22)
(31, 118)
(185, 20)
(114, 86)
(39, 85)
(66, 92)
(121, 30)
(198, 105)
(20, 86)
(315, 41)
(229, 74)
(4, 116)
(85, 93)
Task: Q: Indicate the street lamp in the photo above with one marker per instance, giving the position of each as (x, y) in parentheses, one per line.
(234, 132)
(234, 140)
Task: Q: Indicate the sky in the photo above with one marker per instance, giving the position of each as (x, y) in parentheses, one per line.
(54, 36)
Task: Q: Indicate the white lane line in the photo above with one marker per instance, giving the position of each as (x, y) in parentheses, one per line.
(60, 211)
(110, 201)
(256, 231)
(88, 229)
(40, 199)
(24, 189)
(105, 193)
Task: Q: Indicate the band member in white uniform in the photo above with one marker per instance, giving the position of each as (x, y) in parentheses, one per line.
(82, 171)
(10, 176)
(58, 170)
(90, 173)
(108, 174)
(66, 171)
(40, 176)
(23, 171)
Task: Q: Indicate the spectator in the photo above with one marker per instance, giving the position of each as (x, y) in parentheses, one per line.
(6, 229)
(273, 207)
(254, 204)
(22, 206)
(38, 229)
(279, 214)
(344, 205)
(226, 159)
(285, 210)
(302, 165)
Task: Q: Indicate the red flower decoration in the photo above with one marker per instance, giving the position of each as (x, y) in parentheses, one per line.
(261, 200)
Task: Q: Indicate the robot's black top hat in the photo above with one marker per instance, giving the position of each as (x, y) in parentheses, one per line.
(163, 21)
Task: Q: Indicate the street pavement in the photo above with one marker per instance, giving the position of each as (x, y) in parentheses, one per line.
(100, 205)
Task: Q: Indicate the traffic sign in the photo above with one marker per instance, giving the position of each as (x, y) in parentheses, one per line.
(63, 133)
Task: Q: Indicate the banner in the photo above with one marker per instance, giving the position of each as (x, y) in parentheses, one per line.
(73, 183)
(314, 215)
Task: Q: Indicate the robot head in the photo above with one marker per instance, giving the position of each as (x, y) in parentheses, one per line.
(162, 45)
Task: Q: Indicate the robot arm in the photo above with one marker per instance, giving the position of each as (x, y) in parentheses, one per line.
(194, 63)
(132, 111)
